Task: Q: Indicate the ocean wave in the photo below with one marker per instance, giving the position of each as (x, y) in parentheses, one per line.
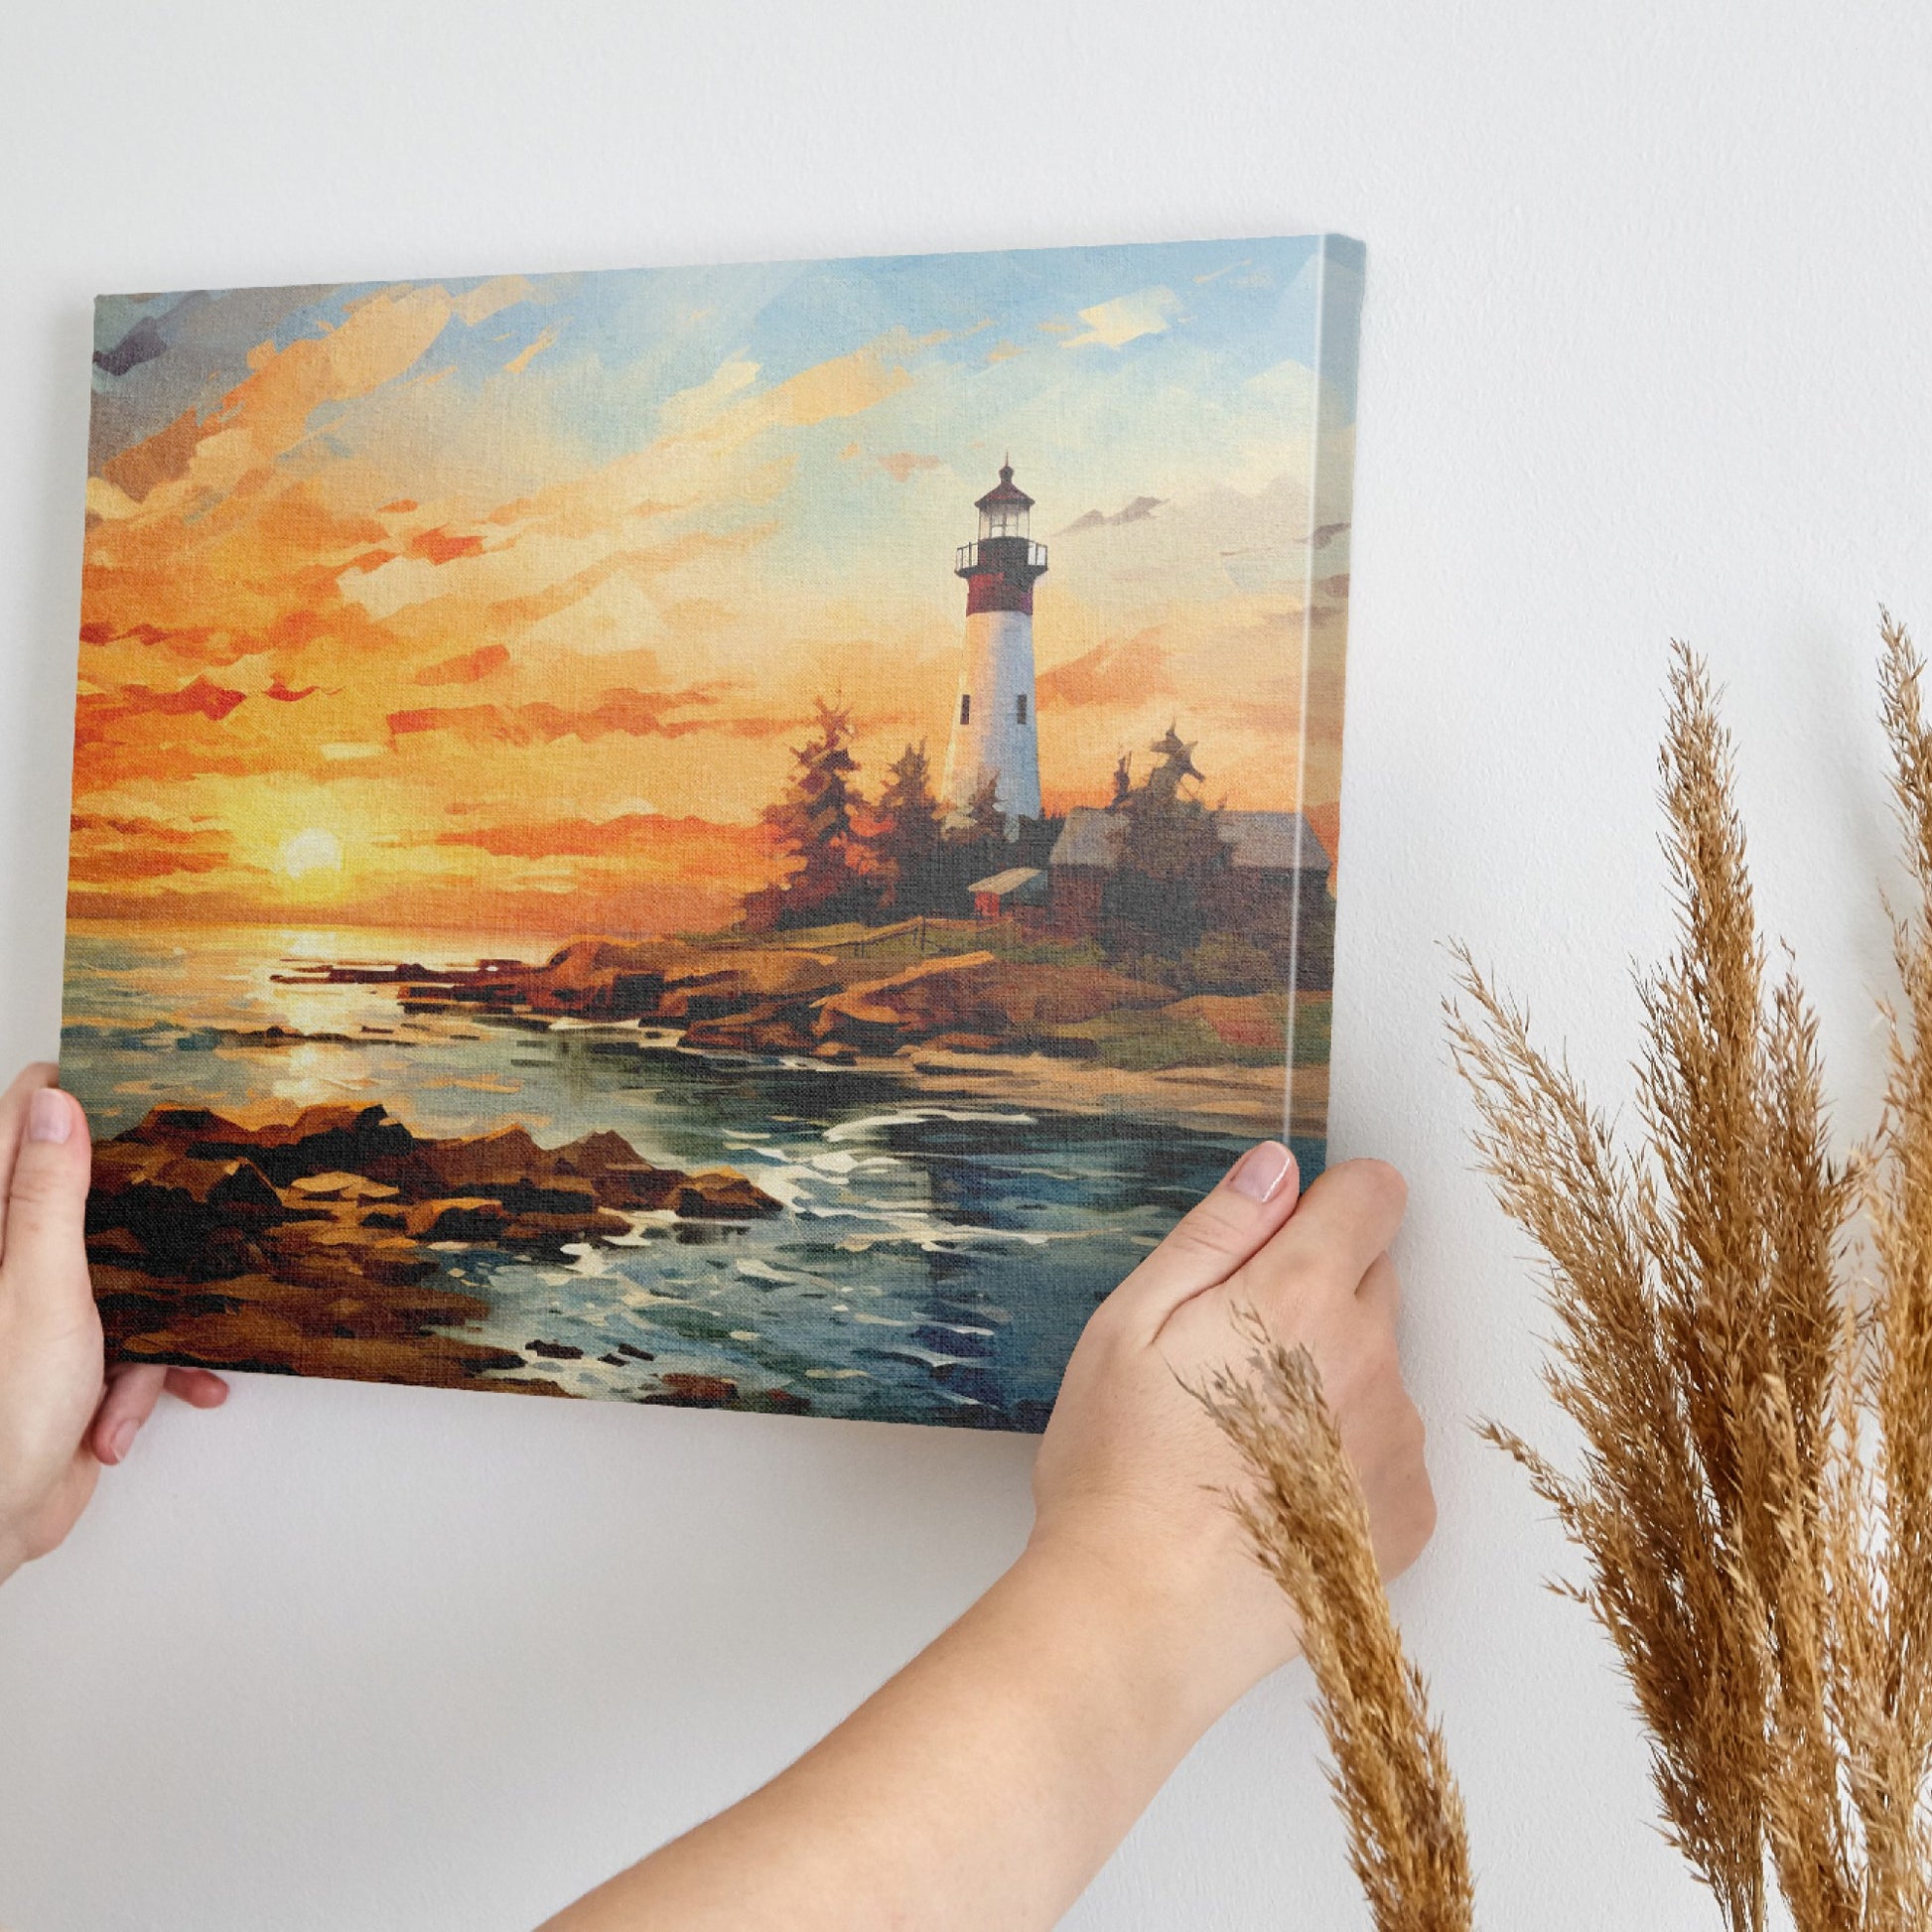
(852, 1130)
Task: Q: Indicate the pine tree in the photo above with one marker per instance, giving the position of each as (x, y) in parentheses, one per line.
(815, 824)
(985, 818)
(907, 839)
(1171, 834)
(1171, 858)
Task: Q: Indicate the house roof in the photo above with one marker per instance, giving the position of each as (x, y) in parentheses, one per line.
(1090, 837)
(1003, 883)
(1263, 841)
(1273, 841)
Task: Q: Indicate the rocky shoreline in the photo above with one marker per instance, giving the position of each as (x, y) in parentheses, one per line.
(307, 1246)
(838, 1008)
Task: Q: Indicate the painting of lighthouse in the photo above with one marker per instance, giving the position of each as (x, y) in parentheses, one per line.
(741, 837)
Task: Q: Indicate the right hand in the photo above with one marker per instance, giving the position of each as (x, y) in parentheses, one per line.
(1132, 1474)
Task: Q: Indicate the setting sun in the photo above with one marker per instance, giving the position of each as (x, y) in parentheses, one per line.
(314, 850)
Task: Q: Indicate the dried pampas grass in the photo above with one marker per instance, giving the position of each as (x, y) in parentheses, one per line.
(1754, 1391)
(1309, 1524)
(1754, 1496)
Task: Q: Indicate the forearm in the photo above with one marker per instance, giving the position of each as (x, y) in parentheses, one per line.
(983, 1785)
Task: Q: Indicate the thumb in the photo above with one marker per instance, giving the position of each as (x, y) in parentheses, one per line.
(44, 1260)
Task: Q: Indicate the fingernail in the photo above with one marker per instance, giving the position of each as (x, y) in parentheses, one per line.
(1260, 1171)
(122, 1440)
(49, 1115)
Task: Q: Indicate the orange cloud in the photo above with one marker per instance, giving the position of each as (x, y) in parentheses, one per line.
(901, 465)
(621, 709)
(1117, 671)
(440, 547)
(472, 667)
(110, 850)
(846, 386)
(199, 697)
(667, 843)
(524, 358)
(187, 641)
(163, 457)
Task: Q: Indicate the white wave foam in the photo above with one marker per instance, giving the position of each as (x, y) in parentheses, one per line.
(851, 1129)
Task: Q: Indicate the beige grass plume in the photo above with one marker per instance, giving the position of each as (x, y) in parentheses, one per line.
(1309, 1524)
(1755, 1495)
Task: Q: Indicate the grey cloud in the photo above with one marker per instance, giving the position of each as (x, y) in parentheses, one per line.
(1138, 512)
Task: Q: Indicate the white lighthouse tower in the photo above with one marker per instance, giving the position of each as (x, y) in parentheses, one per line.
(994, 735)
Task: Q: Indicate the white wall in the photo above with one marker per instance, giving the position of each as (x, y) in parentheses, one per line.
(1645, 355)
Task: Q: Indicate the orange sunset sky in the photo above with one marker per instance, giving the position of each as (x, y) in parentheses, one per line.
(497, 604)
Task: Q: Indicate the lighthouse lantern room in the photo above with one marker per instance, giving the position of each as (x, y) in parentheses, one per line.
(994, 732)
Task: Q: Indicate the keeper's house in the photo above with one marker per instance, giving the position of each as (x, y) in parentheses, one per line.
(1274, 849)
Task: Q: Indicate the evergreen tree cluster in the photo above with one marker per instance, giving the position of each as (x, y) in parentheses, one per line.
(1177, 911)
(883, 860)
(1174, 909)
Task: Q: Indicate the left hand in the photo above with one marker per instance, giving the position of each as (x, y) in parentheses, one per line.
(63, 1413)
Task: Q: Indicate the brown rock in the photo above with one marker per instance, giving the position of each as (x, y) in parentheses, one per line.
(467, 1167)
(696, 1391)
(553, 1230)
(968, 1043)
(340, 1187)
(472, 1219)
(721, 1196)
(710, 986)
(620, 1175)
(319, 1140)
(346, 1252)
(257, 1339)
(607, 978)
(522, 1385)
(764, 1029)
(190, 1218)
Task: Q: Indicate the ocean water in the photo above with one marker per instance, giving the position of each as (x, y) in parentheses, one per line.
(935, 1260)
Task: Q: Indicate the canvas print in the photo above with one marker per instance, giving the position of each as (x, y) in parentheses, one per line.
(735, 836)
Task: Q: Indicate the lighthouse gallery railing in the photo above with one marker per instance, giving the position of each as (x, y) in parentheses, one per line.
(967, 556)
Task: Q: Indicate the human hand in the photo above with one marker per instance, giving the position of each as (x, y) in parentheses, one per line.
(63, 1412)
(1131, 1472)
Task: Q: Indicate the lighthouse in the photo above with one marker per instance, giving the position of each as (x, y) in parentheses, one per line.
(994, 734)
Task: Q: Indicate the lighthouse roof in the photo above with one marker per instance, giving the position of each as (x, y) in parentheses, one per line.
(1006, 491)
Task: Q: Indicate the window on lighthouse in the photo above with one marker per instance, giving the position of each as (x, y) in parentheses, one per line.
(965, 708)
(1020, 708)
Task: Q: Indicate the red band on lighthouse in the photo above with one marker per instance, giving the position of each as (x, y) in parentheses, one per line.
(993, 590)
